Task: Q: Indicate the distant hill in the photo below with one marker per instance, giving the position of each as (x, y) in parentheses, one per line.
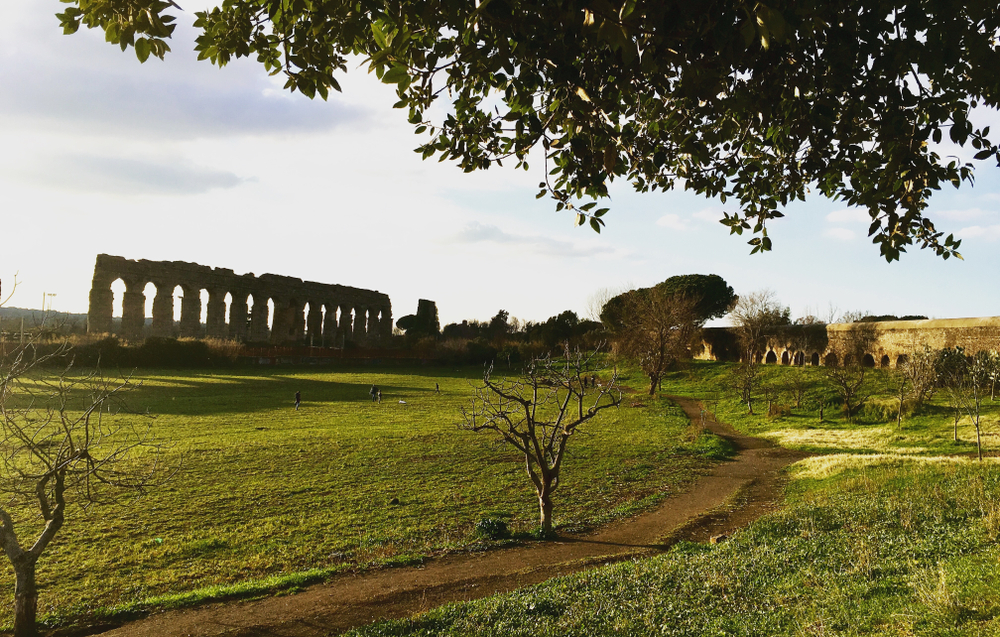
(36, 315)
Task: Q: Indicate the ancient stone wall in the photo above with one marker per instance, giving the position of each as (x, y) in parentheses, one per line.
(879, 344)
(337, 314)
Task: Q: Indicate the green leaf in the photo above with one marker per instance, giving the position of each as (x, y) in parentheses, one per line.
(395, 75)
(142, 49)
(595, 224)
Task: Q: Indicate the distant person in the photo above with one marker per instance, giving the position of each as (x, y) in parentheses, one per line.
(379, 394)
(373, 392)
(437, 388)
(298, 400)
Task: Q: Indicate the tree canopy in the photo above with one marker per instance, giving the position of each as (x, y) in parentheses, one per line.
(708, 295)
(755, 104)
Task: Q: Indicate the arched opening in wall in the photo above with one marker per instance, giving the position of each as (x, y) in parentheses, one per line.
(848, 360)
(784, 357)
(800, 359)
(814, 359)
(885, 361)
(901, 360)
(147, 311)
(270, 315)
(178, 295)
(226, 317)
(203, 318)
(307, 333)
(118, 289)
(868, 361)
(771, 358)
(249, 319)
(830, 360)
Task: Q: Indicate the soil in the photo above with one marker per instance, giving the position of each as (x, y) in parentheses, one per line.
(731, 496)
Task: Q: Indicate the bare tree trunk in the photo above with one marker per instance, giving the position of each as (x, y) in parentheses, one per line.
(25, 596)
(979, 441)
(545, 512)
(958, 414)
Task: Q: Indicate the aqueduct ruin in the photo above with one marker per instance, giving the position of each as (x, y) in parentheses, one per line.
(336, 314)
(886, 343)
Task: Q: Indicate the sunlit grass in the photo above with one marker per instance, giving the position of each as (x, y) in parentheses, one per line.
(264, 495)
(889, 546)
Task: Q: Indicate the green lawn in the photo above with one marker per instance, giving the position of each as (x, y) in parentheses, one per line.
(886, 548)
(929, 432)
(884, 532)
(266, 497)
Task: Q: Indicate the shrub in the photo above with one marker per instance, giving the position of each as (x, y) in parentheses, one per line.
(492, 529)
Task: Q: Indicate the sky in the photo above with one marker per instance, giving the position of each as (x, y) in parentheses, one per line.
(179, 160)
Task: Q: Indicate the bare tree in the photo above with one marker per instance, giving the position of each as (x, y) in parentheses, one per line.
(63, 437)
(538, 412)
(852, 380)
(600, 298)
(914, 378)
(967, 380)
(657, 331)
(753, 317)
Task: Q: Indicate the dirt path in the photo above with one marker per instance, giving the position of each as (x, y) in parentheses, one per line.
(353, 600)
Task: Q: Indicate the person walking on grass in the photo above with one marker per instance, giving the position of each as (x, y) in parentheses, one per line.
(437, 388)
(373, 392)
(298, 400)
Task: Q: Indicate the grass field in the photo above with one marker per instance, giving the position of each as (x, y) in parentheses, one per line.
(926, 433)
(886, 532)
(900, 548)
(266, 498)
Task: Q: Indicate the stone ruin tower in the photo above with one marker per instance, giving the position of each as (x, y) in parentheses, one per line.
(237, 305)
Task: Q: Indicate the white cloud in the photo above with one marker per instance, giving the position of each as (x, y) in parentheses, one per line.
(849, 216)
(89, 85)
(840, 234)
(712, 215)
(116, 175)
(989, 233)
(537, 245)
(674, 222)
(964, 214)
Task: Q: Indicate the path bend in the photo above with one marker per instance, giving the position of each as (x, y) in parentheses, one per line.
(352, 600)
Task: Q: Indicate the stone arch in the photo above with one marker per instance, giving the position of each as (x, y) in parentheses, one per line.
(329, 325)
(785, 360)
(799, 359)
(163, 310)
(346, 324)
(771, 357)
(830, 360)
(814, 359)
(260, 317)
(133, 309)
(868, 360)
(885, 361)
(213, 302)
(901, 360)
(238, 317)
(848, 360)
(190, 325)
(314, 323)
